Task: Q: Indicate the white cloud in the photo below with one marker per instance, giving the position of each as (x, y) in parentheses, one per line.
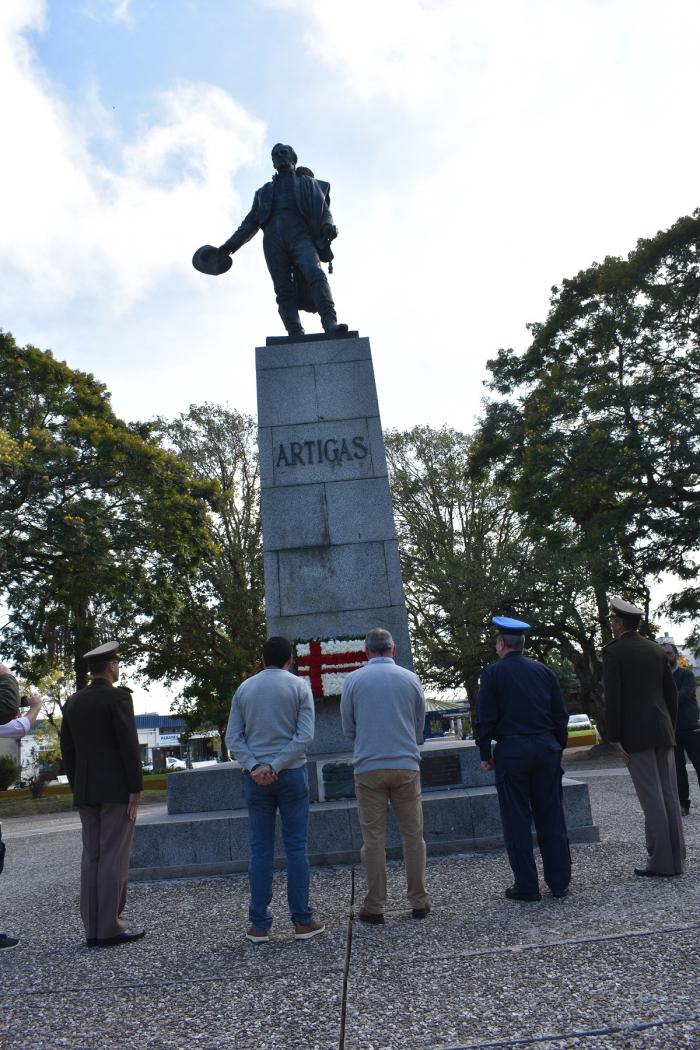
(74, 226)
(122, 10)
(530, 137)
(18, 15)
(519, 140)
(109, 11)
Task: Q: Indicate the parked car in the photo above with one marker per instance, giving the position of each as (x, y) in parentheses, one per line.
(175, 763)
(147, 767)
(582, 731)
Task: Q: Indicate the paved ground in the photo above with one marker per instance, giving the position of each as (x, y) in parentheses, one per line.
(615, 965)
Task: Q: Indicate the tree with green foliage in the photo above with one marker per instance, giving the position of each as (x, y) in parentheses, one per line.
(9, 772)
(595, 429)
(214, 640)
(597, 425)
(54, 685)
(466, 555)
(459, 541)
(97, 520)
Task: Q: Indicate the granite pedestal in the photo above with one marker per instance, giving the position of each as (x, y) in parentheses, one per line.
(331, 555)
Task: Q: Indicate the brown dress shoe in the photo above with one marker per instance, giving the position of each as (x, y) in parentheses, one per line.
(120, 938)
(374, 917)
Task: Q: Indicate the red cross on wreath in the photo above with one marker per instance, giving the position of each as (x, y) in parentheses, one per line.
(320, 663)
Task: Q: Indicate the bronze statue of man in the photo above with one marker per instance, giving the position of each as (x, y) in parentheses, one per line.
(294, 214)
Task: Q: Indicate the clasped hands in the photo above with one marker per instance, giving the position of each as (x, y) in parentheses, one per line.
(263, 775)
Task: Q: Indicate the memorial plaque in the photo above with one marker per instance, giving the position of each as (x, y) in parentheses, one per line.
(337, 781)
(440, 770)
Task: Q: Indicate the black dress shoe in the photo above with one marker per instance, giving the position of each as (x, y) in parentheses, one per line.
(685, 809)
(421, 913)
(560, 893)
(92, 942)
(515, 895)
(654, 874)
(120, 938)
(373, 917)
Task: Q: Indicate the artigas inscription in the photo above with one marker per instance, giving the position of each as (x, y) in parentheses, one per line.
(330, 450)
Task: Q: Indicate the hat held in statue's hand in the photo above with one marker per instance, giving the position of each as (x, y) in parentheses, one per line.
(618, 607)
(211, 260)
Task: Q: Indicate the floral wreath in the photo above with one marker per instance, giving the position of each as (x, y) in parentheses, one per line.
(326, 663)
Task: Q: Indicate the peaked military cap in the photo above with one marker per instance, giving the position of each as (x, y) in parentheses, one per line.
(103, 652)
(509, 625)
(618, 607)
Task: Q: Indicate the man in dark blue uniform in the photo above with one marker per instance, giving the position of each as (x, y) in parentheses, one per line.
(520, 707)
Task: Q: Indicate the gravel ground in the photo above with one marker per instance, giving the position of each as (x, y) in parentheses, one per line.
(615, 965)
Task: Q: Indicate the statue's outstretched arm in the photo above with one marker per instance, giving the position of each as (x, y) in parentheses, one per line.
(247, 230)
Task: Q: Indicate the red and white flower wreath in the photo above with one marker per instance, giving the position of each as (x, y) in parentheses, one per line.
(326, 663)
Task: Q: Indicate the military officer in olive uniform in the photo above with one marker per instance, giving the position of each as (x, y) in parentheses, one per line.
(520, 707)
(641, 705)
(102, 759)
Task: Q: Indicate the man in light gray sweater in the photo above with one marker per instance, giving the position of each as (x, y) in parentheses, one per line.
(269, 729)
(383, 712)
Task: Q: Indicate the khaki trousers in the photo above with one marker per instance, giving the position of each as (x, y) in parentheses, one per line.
(653, 773)
(104, 868)
(374, 791)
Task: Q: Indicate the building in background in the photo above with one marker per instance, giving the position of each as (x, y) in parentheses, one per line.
(164, 736)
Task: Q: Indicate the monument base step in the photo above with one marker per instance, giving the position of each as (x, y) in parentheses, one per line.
(308, 337)
(187, 845)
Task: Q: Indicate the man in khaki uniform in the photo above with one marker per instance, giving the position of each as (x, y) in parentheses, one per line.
(102, 758)
(641, 709)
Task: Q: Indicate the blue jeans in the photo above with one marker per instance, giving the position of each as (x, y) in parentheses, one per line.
(289, 794)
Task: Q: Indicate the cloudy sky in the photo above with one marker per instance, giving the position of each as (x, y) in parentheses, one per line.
(478, 151)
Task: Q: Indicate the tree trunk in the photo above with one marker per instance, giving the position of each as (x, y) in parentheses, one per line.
(588, 669)
(82, 641)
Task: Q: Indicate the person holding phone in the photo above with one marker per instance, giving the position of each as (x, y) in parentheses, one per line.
(13, 727)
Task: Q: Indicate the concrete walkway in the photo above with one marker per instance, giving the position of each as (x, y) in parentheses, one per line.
(615, 965)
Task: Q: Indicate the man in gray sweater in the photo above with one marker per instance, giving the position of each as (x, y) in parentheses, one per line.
(269, 729)
(383, 712)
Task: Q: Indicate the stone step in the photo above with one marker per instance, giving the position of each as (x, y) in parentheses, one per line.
(447, 763)
(184, 845)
